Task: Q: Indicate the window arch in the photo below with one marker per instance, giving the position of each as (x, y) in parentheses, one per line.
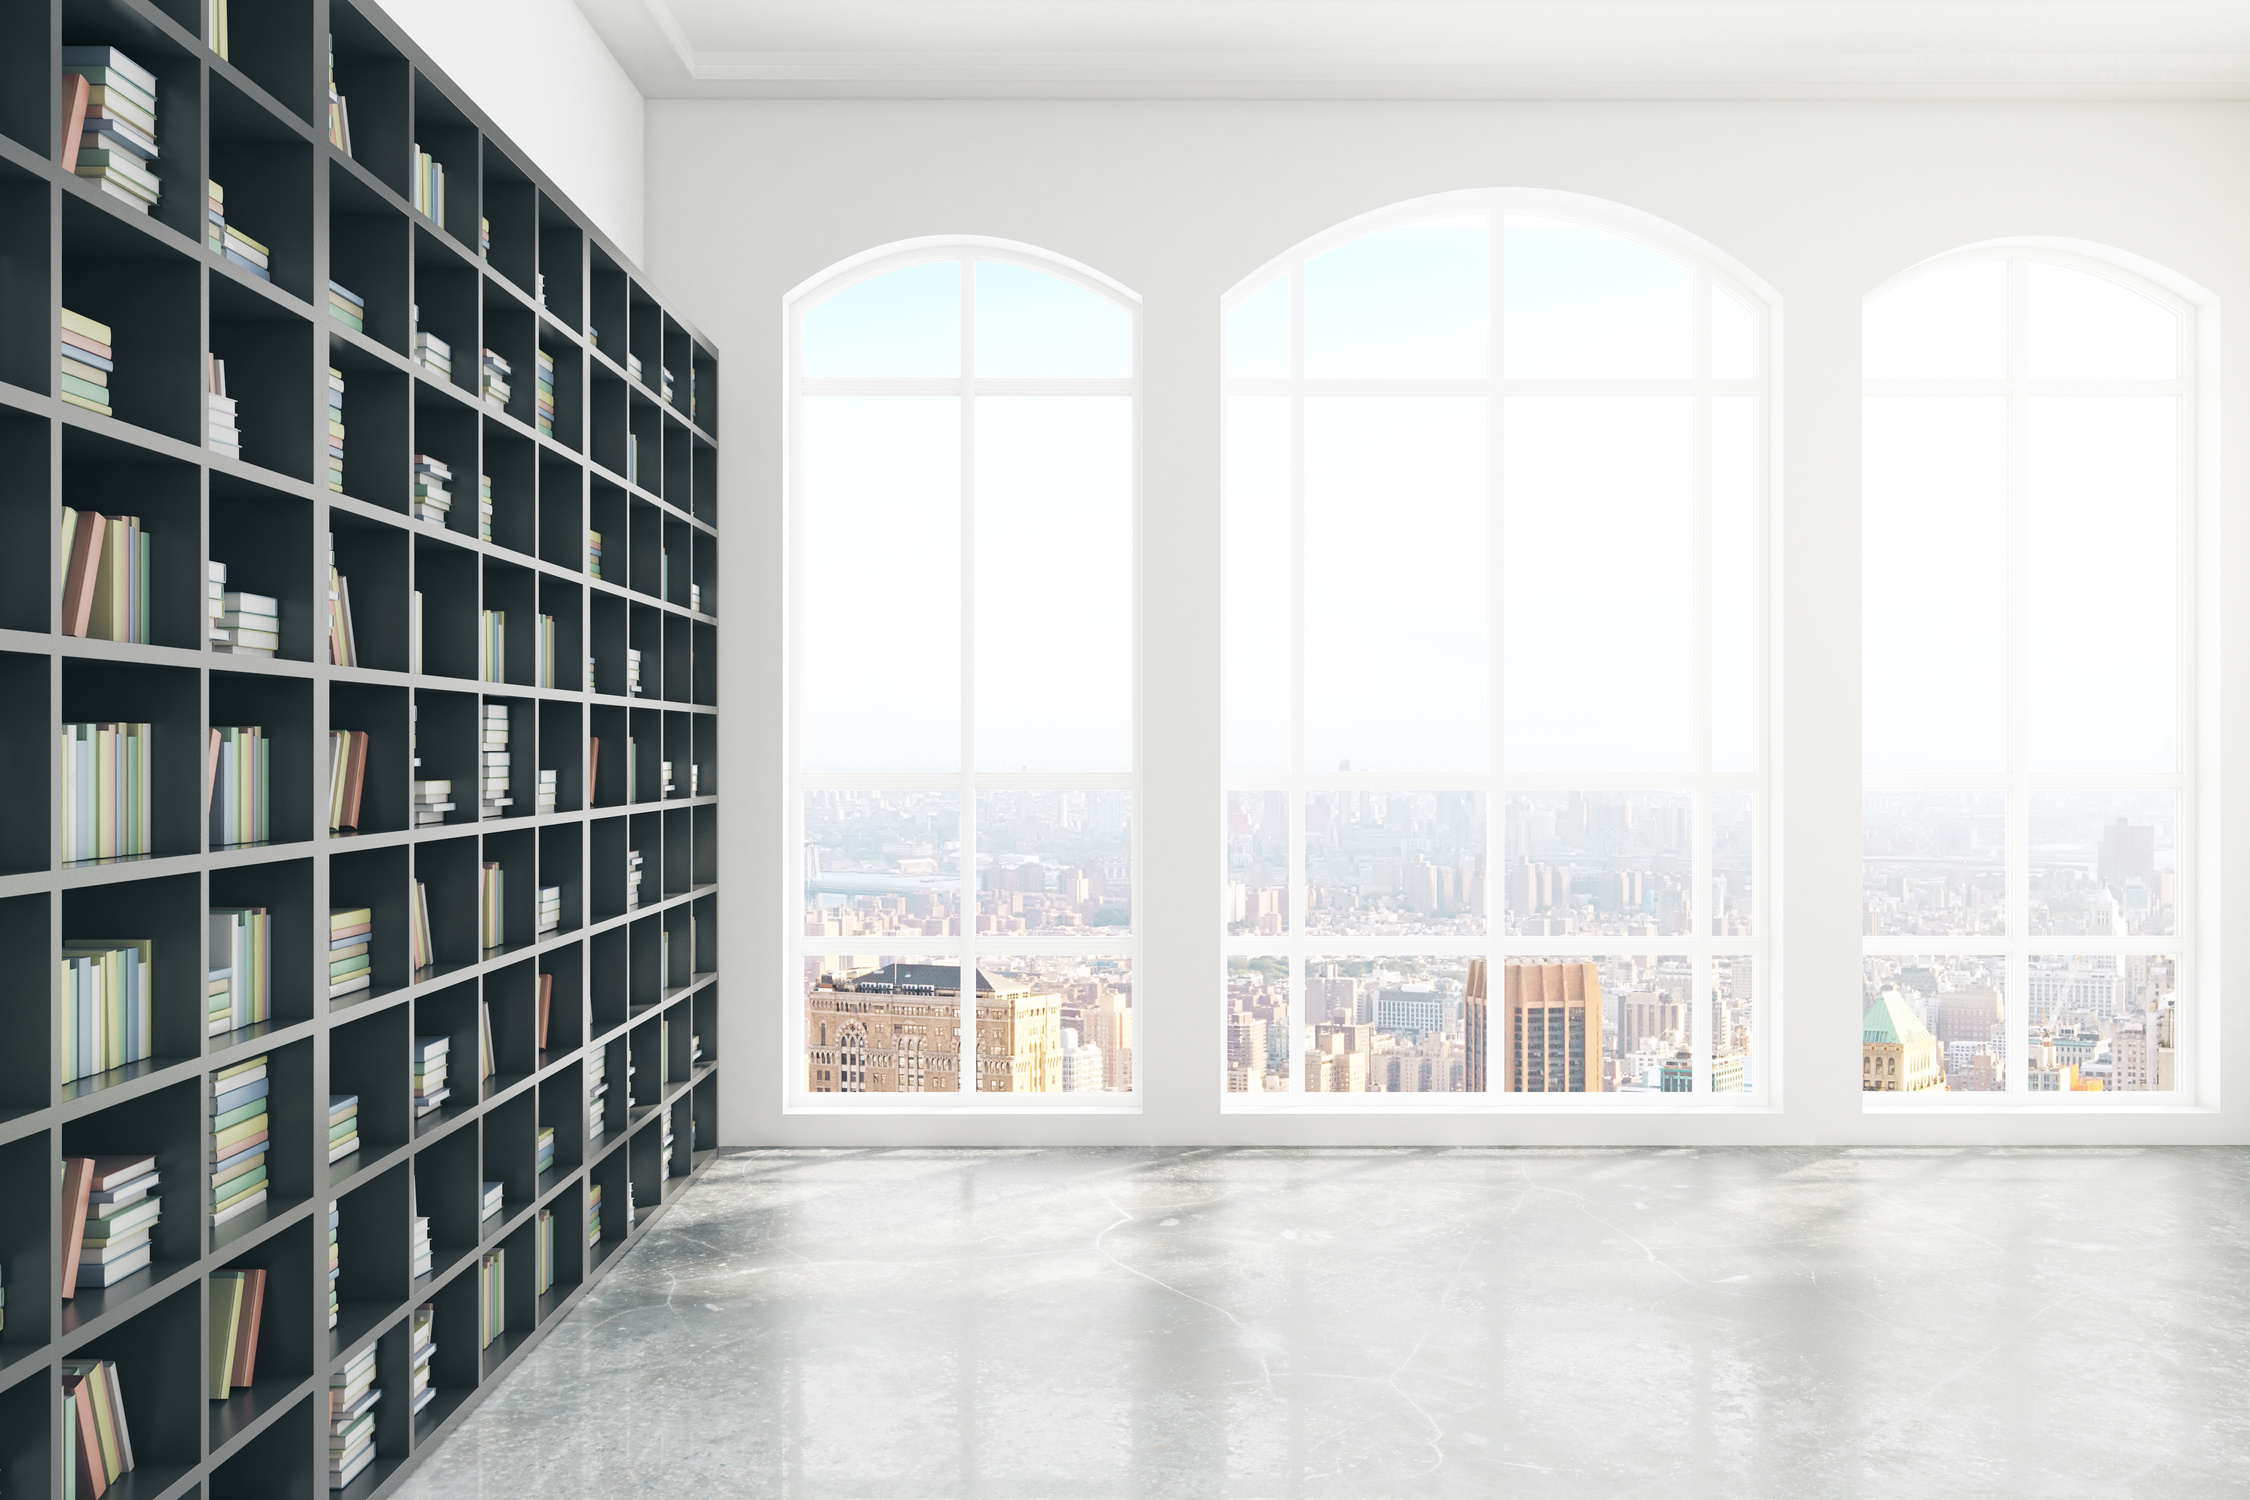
(1495, 609)
(963, 476)
(2031, 493)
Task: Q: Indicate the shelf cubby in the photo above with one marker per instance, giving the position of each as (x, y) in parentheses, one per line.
(376, 879)
(27, 355)
(114, 476)
(163, 1393)
(284, 888)
(265, 166)
(369, 256)
(286, 1350)
(282, 707)
(265, 537)
(170, 701)
(376, 80)
(511, 206)
(271, 43)
(562, 263)
(449, 138)
(511, 461)
(566, 1018)
(381, 713)
(371, 557)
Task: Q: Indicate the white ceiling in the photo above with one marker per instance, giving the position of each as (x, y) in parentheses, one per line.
(1430, 48)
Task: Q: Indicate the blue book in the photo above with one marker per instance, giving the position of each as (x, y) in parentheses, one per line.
(238, 1097)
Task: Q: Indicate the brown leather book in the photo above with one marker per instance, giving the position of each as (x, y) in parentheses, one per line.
(78, 1181)
(246, 1327)
(593, 765)
(546, 1003)
(75, 92)
(210, 775)
(78, 579)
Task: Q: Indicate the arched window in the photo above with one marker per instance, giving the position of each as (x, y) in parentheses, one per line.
(964, 497)
(2030, 507)
(1495, 487)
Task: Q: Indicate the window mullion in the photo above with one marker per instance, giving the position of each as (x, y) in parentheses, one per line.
(966, 997)
(1496, 664)
(2016, 884)
(1293, 923)
(1700, 909)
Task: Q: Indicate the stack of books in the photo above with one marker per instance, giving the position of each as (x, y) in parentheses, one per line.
(632, 673)
(105, 576)
(546, 792)
(421, 946)
(667, 384)
(111, 139)
(215, 24)
(430, 1087)
(419, 1347)
(484, 507)
(593, 337)
(431, 497)
(215, 605)
(492, 645)
(234, 244)
(351, 931)
(633, 365)
(695, 598)
(339, 118)
(593, 1215)
(433, 354)
(418, 1248)
(484, 238)
(238, 1298)
(666, 1145)
(347, 777)
(496, 373)
(238, 1139)
(550, 904)
(110, 1214)
(632, 879)
(101, 1445)
(108, 989)
(546, 411)
(543, 1160)
(594, 556)
(432, 801)
(543, 1251)
(352, 1394)
(632, 1098)
(236, 789)
(695, 1049)
(241, 968)
(249, 624)
(492, 924)
(694, 776)
(215, 232)
(488, 1208)
(546, 651)
(335, 1258)
(335, 429)
(347, 307)
(429, 185)
(492, 763)
(664, 778)
(343, 1126)
(597, 1084)
(103, 799)
(88, 360)
(492, 1297)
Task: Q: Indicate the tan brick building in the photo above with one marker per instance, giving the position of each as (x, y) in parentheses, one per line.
(897, 1029)
(1551, 1028)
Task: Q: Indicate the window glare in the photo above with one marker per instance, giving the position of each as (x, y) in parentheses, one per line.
(1255, 584)
(1946, 324)
(1400, 302)
(1258, 334)
(1035, 326)
(1586, 303)
(2087, 327)
(1734, 353)
(904, 324)
(1734, 587)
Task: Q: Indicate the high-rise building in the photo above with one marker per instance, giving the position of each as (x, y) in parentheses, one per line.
(1968, 1015)
(2128, 854)
(1081, 1064)
(1109, 1022)
(1337, 1061)
(1551, 1028)
(1897, 1052)
(1473, 1026)
(897, 1029)
(1246, 1042)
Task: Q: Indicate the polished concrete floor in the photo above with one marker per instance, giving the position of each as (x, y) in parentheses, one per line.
(1780, 1323)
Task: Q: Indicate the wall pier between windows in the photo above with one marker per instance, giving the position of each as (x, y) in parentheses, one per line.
(1824, 202)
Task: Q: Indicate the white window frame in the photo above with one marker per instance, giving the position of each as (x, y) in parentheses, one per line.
(2193, 945)
(1712, 269)
(968, 781)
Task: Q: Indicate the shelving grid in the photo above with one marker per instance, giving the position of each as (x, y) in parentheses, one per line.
(633, 988)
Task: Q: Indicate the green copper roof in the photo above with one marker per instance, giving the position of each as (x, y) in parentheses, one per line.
(1891, 1019)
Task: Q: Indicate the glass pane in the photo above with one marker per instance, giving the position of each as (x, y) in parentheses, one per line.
(1054, 1025)
(1255, 583)
(903, 324)
(1395, 616)
(1257, 863)
(1734, 585)
(1613, 863)
(1033, 325)
(1734, 328)
(1406, 302)
(2102, 1024)
(1258, 334)
(1734, 1029)
(1055, 864)
(1394, 864)
(1934, 605)
(1931, 863)
(2103, 569)
(2104, 864)
(2088, 327)
(1258, 1025)
(879, 648)
(1733, 864)
(882, 864)
(1406, 1032)
(1584, 303)
(881, 1025)
(1600, 590)
(1648, 1008)
(1054, 583)
(1930, 1024)
(1947, 324)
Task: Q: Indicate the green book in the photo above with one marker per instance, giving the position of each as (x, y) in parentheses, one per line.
(237, 1115)
(73, 386)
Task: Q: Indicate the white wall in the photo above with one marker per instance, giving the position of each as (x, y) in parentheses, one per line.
(1180, 200)
(537, 68)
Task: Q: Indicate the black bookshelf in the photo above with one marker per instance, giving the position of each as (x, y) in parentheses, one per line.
(632, 982)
